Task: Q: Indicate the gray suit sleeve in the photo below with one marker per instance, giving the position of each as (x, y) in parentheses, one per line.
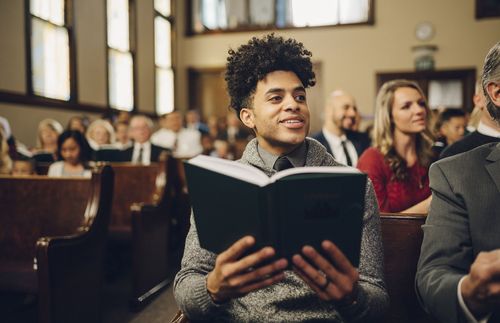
(446, 252)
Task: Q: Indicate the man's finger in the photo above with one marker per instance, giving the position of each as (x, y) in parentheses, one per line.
(261, 273)
(237, 249)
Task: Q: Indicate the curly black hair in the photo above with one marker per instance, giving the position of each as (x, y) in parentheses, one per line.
(251, 62)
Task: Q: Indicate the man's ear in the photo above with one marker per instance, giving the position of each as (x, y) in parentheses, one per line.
(478, 100)
(493, 90)
(247, 117)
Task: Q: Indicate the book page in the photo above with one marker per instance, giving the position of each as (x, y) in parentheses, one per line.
(314, 170)
(231, 168)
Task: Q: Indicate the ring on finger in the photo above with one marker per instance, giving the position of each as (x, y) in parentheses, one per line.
(325, 284)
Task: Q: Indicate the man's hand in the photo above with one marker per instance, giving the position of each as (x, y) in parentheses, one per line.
(234, 277)
(333, 279)
(481, 287)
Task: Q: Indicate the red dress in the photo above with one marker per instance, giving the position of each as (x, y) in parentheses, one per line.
(394, 195)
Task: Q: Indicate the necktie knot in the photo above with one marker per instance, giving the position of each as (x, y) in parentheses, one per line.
(282, 163)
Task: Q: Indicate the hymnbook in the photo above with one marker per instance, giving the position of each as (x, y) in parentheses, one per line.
(295, 207)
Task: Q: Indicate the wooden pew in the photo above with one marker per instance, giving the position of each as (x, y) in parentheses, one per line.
(146, 199)
(402, 237)
(62, 224)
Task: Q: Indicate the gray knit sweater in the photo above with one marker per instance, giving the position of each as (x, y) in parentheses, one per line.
(290, 300)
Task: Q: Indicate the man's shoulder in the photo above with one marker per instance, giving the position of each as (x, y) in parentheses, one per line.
(357, 135)
(317, 155)
(468, 160)
(469, 142)
(318, 135)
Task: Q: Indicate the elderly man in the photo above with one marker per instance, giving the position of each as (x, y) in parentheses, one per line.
(458, 276)
(142, 151)
(337, 135)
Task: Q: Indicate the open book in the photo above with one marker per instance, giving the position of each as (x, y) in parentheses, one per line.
(294, 207)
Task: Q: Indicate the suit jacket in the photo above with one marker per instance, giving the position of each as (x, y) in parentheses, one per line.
(360, 140)
(117, 155)
(126, 155)
(469, 142)
(463, 220)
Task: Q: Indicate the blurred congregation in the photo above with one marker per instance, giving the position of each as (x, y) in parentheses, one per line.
(101, 102)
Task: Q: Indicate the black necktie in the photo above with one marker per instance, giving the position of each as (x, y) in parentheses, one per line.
(347, 157)
(139, 159)
(282, 163)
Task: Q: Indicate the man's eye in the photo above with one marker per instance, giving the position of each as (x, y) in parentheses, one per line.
(300, 97)
(275, 98)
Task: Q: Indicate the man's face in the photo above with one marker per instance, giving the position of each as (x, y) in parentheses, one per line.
(453, 129)
(174, 121)
(279, 116)
(341, 110)
(139, 130)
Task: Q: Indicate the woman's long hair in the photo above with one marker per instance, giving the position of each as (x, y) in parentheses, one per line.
(383, 130)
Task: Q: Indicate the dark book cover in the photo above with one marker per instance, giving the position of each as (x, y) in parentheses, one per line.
(299, 209)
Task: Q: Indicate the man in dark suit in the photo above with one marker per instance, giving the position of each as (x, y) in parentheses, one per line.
(337, 135)
(458, 275)
(142, 151)
(487, 131)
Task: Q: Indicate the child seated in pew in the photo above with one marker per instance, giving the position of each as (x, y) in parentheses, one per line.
(73, 153)
(23, 166)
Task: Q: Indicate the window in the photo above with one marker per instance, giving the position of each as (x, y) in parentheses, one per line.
(120, 56)
(50, 44)
(163, 57)
(228, 15)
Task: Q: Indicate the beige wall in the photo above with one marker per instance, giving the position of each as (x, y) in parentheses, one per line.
(91, 57)
(350, 56)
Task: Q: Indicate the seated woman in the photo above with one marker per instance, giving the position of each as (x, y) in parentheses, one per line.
(100, 134)
(73, 151)
(399, 160)
(48, 131)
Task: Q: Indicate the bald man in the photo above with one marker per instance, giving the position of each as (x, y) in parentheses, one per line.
(337, 135)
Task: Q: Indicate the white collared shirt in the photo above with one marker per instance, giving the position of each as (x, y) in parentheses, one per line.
(487, 130)
(468, 315)
(335, 143)
(146, 153)
(188, 141)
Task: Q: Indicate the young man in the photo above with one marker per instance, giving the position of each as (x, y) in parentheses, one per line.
(459, 268)
(266, 81)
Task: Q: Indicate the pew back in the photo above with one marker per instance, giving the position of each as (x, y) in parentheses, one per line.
(134, 184)
(402, 237)
(36, 206)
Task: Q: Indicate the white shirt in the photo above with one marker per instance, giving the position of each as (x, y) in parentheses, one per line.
(146, 153)
(57, 170)
(335, 143)
(468, 315)
(487, 130)
(188, 141)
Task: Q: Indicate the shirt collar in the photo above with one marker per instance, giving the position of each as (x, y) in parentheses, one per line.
(297, 157)
(332, 138)
(487, 130)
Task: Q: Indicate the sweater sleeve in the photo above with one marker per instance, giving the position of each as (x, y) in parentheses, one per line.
(373, 299)
(190, 284)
